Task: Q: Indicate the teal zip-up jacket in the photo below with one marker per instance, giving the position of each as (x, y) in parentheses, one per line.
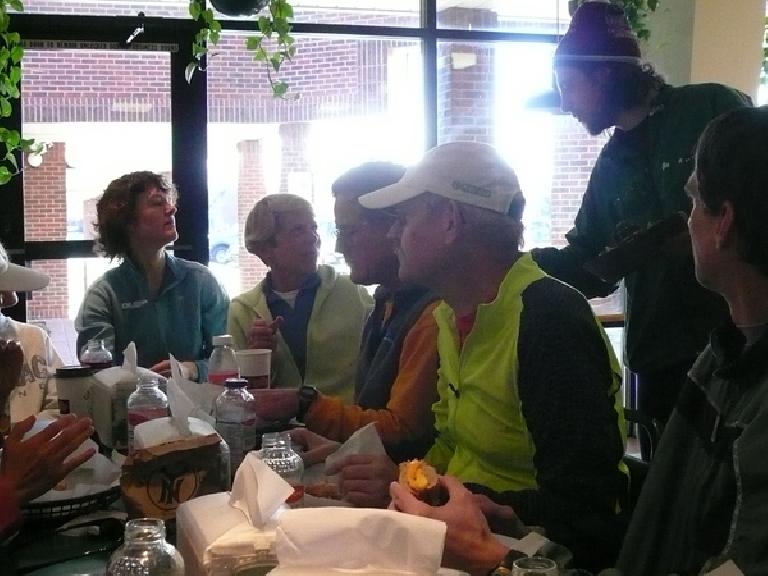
(182, 319)
(638, 179)
(333, 335)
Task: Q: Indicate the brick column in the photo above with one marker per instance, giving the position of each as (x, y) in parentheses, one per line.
(295, 177)
(45, 218)
(574, 156)
(250, 189)
(465, 80)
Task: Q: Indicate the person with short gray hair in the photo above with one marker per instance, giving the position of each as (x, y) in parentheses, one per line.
(310, 316)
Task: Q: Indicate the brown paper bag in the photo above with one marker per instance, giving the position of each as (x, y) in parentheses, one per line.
(156, 480)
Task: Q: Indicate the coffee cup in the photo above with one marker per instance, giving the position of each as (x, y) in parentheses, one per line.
(254, 365)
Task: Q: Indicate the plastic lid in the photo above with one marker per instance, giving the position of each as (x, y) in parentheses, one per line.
(74, 371)
(222, 340)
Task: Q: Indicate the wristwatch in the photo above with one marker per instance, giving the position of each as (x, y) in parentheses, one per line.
(307, 395)
(504, 568)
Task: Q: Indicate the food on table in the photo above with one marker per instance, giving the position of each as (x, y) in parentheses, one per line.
(421, 480)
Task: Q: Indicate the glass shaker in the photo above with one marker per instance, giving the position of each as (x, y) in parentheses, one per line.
(145, 552)
(276, 452)
(96, 356)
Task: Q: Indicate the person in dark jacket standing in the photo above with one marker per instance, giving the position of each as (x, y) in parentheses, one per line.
(637, 181)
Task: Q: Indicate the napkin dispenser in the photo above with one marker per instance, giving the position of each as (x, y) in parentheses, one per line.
(109, 396)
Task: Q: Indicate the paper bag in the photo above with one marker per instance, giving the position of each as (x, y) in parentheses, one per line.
(156, 480)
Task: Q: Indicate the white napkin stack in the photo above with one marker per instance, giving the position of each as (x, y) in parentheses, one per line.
(220, 532)
(329, 540)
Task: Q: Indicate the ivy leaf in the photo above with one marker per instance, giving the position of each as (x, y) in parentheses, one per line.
(276, 60)
(265, 26)
(195, 9)
(12, 138)
(279, 89)
(11, 159)
(5, 107)
(253, 42)
(17, 53)
(16, 5)
(5, 175)
(189, 71)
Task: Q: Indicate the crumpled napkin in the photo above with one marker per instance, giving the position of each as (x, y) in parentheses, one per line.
(366, 440)
(258, 491)
(182, 405)
(188, 398)
(369, 540)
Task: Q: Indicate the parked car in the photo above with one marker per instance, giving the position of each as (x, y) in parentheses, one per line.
(222, 248)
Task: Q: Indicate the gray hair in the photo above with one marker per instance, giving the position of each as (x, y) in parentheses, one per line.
(263, 221)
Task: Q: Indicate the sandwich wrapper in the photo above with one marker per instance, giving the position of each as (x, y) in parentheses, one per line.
(175, 459)
(92, 477)
(366, 440)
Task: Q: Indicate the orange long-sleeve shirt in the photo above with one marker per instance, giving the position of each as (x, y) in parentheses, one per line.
(408, 414)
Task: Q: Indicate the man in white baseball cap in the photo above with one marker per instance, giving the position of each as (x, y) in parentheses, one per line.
(527, 383)
(32, 391)
(17, 278)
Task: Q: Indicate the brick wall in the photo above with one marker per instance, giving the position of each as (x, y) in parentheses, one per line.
(575, 154)
(45, 214)
(250, 189)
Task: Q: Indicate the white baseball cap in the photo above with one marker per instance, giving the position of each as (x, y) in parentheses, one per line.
(18, 278)
(468, 172)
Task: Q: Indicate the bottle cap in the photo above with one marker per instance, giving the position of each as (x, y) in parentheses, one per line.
(222, 340)
(236, 383)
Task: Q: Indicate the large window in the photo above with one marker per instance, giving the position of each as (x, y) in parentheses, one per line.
(377, 80)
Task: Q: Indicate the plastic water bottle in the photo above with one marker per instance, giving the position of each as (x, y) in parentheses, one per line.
(145, 552)
(277, 453)
(236, 420)
(96, 356)
(145, 403)
(222, 364)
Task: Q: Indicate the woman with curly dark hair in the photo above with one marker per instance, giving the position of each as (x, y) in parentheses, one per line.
(166, 305)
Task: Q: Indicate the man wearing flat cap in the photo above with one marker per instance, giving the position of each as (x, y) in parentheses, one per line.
(636, 182)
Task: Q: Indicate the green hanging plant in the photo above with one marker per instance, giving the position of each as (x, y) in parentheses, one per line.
(11, 54)
(274, 32)
(636, 10)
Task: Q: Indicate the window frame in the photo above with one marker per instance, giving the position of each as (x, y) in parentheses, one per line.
(189, 114)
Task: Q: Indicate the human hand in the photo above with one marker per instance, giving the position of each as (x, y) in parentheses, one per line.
(316, 448)
(275, 404)
(35, 465)
(469, 544)
(188, 369)
(261, 334)
(364, 479)
(502, 519)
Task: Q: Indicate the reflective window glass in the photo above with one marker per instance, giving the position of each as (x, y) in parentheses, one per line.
(359, 100)
(523, 16)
